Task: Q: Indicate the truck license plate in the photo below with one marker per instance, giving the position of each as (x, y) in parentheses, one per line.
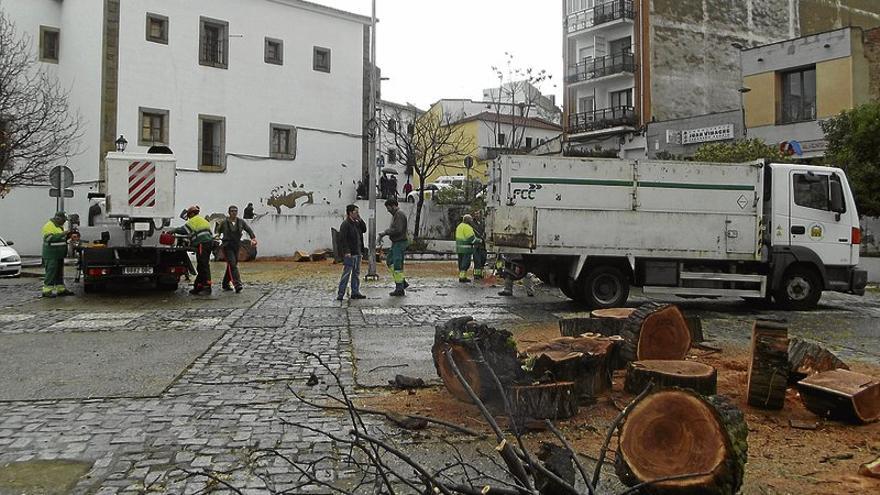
(138, 270)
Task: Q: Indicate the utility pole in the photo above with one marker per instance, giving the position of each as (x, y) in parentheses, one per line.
(372, 136)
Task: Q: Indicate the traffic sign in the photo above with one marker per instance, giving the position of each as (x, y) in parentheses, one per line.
(56, 193)
(60, 177)
(468, 162)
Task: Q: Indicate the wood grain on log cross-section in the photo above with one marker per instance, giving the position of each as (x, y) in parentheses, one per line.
(655, 331)
(842, 395)
(677, 433)
(768, 367)
(698, 377)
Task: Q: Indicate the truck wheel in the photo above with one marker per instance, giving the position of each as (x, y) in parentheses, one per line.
(605, 287)
(799, 289)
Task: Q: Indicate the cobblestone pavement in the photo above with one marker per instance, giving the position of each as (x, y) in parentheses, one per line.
(231, 400)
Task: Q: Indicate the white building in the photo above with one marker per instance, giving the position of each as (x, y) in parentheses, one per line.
(257, 99)
(517, 93)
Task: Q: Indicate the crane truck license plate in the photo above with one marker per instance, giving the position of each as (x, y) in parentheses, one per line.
(138, 270)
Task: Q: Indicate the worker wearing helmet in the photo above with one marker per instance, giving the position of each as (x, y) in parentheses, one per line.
(54, 251)
(201, 239)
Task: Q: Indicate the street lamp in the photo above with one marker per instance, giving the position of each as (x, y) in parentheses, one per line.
(121, 143)
(373, 134)
(742, 108)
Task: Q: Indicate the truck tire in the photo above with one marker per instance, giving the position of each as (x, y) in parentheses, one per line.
(799, 289)
(604, 287)
(569, 288)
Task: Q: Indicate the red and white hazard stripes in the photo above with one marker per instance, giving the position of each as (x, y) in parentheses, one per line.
(141, 184)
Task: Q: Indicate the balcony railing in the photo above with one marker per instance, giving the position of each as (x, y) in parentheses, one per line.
(600, 14)
(603, 118)
(601, 67)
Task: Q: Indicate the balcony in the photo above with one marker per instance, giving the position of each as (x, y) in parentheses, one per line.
(608, 65)
(604, 13)
(604, 118)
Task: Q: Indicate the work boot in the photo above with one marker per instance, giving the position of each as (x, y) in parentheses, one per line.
(239, 289)
(505, 293)
(463, 280)
(398, 291)
(49, 295)
(227, 288)
(64, 292)
(361, 296)
(405, 284)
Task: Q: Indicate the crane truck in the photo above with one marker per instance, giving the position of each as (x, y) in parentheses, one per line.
(596, 227)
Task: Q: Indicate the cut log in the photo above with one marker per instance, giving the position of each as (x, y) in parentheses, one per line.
(700, 378)
(655, 331)
(461, 336)
(678, 433)
(573, 327)
(318, 256)
(695, 325)
(556, 400)
(842, 395)
(806, 357)
(301, 256)
(871, 469)
(768, 368)
(586, 361)
(612, 313)
(558, 461)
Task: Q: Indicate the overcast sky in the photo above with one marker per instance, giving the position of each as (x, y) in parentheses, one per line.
(445, 49)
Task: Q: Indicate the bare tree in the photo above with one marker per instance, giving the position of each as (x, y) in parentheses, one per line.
(429, 142)
(38, 129)
(519, 96)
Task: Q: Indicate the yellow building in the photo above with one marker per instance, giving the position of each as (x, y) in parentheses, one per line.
(484, 136)
(793, 85)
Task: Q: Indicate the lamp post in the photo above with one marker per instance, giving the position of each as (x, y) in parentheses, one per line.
(372, 135)
(121, 143)
(742, 109)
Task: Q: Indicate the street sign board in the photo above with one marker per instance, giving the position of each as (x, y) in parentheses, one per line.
(61, 177)
(468, 162)
(56, 193)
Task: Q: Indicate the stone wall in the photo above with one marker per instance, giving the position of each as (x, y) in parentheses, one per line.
(872, 54)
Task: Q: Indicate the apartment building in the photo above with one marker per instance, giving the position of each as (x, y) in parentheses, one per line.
(257, 98)
(631, 64)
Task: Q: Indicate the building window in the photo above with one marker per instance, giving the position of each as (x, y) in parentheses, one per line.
(392, 156)
(586, 104)
(528, 143)
(321, 59)
(274, 52)
(501, 139)
(212, 143)
(214, 43)
(392, 125)
(811, 191)
(153, 126)
(798, 95)
(50, 44)
(622, 98)
(157, 28)
(282, 141)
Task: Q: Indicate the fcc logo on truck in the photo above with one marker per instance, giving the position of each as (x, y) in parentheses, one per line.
(527, 193)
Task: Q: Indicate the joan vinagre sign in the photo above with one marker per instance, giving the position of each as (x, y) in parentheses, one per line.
(707, 134)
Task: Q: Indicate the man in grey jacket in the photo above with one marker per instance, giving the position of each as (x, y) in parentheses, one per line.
(399, 242)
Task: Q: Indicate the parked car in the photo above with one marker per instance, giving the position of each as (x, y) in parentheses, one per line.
(430, 190)
(10, 261)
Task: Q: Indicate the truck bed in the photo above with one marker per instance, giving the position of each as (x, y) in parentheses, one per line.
(610, 207)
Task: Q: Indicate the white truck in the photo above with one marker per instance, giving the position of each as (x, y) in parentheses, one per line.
(123, 240)
(596, 227)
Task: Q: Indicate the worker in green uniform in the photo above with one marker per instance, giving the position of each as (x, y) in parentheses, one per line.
(465, 241)
(399, 242)
(54, 251)
(200, 238)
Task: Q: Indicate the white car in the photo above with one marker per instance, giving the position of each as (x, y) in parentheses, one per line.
(10, 261)
(430, 190)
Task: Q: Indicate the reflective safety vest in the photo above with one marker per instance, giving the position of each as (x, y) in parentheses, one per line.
(54, 241)
(198, 229)
(465, 237)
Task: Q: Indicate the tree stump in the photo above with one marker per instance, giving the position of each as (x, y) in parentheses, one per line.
(461, 336)
(655, 331)
(586, 361)
(557, 400)
(842, 395)
(768, 368)
(700, 378)
(300, 256)
(677, 433)
(575, 327)
(806, 358)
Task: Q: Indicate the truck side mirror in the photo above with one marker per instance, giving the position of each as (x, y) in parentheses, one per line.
(10, 243)
(837, 203)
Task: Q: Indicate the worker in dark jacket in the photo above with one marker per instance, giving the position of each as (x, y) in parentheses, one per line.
(399, 242)
(480, 254)
(54, 251)
(200, 238)
(230, 230)
(351, 245)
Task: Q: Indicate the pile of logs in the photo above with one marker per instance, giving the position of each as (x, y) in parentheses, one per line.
(319, 255)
